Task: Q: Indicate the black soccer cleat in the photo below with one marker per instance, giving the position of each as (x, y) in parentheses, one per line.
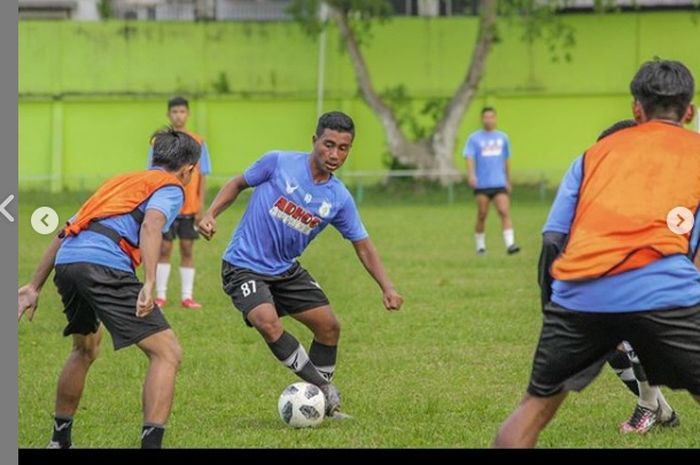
(513, 249)
(671, 422)
(481, 251)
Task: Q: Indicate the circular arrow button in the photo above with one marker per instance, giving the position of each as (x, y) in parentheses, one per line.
(44, 220)
(680, 220)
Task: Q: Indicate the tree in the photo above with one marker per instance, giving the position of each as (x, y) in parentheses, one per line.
(433, 149)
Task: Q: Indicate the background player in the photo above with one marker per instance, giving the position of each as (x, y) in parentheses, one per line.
(95, 256)
(296, 196)
(487, 152)
(184, 226)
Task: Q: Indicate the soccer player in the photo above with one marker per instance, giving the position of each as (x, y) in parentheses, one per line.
(652, 407)
(296, 196)
(184, 226)
(487, 152)
(95, 256)
(625, 274)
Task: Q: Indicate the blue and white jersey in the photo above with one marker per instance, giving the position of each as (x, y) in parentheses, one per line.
(286, 212)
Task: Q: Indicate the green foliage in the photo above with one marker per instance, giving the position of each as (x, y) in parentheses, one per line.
(361, 13)
(418, 124)
(221, 84)
(104, 7)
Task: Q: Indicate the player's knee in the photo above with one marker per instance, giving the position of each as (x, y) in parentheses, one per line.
(172, 353)
(166, 248)
(332, 329)
(271, 329)
(186, 250)
(87, 353)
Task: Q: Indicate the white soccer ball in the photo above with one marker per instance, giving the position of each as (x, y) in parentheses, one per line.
(302, 405)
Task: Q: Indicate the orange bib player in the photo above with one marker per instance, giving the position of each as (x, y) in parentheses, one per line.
(184, 227)
(626, 272)
(95, 256)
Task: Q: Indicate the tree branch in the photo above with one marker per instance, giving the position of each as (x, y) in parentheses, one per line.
(396, 139)
(467, 89)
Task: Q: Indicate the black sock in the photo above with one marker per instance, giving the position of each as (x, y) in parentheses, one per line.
(292, 354)
(323, 357)
(61, 430)
(620, 362)
(152, 436)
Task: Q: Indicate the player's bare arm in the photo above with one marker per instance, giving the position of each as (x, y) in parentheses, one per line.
(508, 185)
(150, 240)
(471, 173)
(28, 295)
(202, 194)
(369, 257)
(225, 197)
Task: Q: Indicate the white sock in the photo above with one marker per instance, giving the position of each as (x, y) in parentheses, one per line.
(162, 275)
(648, 395)
(666, 409)
(187, 277)
(480, 240)
(508, 237)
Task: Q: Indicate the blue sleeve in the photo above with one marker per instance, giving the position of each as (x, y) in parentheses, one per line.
(561, 215)
(695, 235)
(204, 161)
(348, 221)
(167, 200)
(506, 146)
(261, 170)
(150, 158)
(469, 148)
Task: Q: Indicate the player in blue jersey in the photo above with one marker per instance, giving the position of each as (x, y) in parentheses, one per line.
(296, 196)
(487, 152)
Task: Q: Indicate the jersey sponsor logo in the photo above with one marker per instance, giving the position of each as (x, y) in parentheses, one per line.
(294, 216)
(307, 198)
(492, 148)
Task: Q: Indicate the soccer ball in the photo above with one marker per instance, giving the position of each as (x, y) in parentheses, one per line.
(302, 405)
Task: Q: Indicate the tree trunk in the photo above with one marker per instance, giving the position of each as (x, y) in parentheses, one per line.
(444, 137)
(397, 141)
(434, 153)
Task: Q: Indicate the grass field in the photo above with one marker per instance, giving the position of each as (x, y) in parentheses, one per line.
(443, 372)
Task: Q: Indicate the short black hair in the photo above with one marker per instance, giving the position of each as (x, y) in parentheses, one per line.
(620, 125)
(178, 102)
(174, 149)
(663, 88)
(485, 109)
(335, 121)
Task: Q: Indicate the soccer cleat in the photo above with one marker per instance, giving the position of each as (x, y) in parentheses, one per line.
(481, 251)
(670, 422)
(160, 302)
(58, 445)
(513, 249)
(191, 304)
(641, 421)
(332, 398)
(337, 415)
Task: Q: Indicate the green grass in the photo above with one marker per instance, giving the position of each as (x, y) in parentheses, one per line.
(443, 372)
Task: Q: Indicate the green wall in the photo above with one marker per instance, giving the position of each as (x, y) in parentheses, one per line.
(91, 93)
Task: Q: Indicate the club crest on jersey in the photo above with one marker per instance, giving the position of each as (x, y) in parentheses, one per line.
(294, 216)
(325, 209)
